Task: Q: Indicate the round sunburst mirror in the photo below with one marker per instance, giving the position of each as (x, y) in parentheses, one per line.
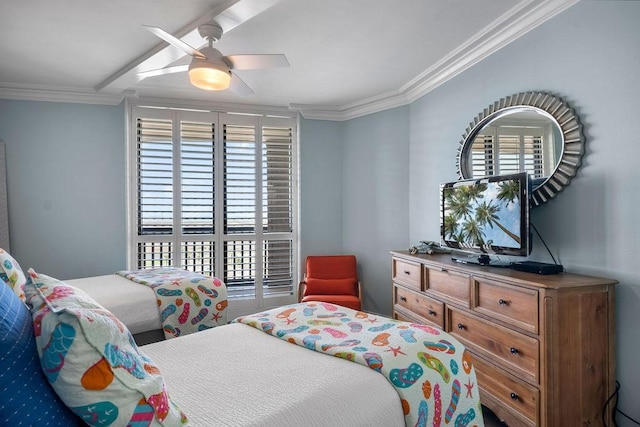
(530, 131)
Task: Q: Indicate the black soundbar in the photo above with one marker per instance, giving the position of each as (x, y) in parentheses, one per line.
(537, 267)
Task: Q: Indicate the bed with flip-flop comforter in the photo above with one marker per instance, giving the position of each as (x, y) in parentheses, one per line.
(321, 364)
(159, 303)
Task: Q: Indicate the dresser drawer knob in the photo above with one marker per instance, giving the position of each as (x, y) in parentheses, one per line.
(444, 270)
(432, 313)
(407, 272)
(514, 396)
(502, 302)
(403, 299)
(461, 326)
(513, 350)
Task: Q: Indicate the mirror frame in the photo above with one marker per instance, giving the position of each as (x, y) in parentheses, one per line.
(564, 117)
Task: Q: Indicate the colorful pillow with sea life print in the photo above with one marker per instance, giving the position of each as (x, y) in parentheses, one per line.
(11, 273)
(92, 361)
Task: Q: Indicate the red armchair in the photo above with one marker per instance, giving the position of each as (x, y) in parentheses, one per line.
(333, 279)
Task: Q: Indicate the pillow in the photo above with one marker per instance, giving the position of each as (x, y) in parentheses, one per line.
(92, 361)
(26, 398)
(330, 286)
(11, 273)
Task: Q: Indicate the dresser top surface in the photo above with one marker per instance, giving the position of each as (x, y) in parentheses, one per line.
(551, 281)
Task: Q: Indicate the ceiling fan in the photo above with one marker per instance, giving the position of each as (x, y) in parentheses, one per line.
(209, 69)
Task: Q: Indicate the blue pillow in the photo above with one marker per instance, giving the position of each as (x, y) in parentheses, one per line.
(26, 398)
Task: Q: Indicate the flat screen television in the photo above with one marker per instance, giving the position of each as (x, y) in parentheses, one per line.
(487, 216)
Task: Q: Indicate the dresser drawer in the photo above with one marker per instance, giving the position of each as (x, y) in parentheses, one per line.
(423, 306)
(408, 273)
(510, 304)
(521, 398)
(400, 315)
(512, 349)
(449, 285)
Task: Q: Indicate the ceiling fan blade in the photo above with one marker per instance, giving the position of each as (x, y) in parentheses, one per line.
(171, 39)
(163, 71)
(252, 62)
(239, 87)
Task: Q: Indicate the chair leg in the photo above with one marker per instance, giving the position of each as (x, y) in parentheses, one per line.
(300, 290)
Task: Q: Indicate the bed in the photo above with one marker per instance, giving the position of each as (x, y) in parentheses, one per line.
(303, 364)
(140, 311)
(256, 380)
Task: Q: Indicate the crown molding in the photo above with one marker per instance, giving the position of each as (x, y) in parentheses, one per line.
(190, 104)
(77, 96)
(56, 94)
(509, 27)
(353, 110)
(521, 19)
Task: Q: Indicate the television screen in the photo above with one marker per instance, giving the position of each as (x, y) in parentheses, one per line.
(487, 215)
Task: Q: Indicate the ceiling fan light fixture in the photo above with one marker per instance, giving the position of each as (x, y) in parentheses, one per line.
(209, 77)
(209, 69)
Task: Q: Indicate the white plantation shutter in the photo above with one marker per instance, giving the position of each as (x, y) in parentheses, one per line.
(197, 167)
(154, 191)
(197, 191)
(155, 176)
(240, 176)
(216, 194)
(277, 178)
(277, 208)
(277, 267)
(240, 268)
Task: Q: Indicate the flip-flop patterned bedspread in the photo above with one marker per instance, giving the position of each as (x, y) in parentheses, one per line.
(431, 371)
(188, 302)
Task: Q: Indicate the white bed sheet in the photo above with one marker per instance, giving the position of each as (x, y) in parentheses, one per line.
(236, 375)
(132, 303)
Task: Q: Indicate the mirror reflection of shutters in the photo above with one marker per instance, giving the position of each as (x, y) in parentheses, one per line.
(482, 155)
(505, 150)
(534, 156)
(510, 149)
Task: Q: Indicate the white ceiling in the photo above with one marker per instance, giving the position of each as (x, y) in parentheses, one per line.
(348, 57)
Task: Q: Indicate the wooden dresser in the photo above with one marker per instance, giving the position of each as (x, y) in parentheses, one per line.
(543, 345)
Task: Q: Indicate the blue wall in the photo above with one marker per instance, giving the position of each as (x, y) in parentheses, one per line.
(66, 186)
(354, 194)
(375, 204)
(320, 187)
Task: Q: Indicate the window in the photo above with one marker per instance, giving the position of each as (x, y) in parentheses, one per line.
(216, 193)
